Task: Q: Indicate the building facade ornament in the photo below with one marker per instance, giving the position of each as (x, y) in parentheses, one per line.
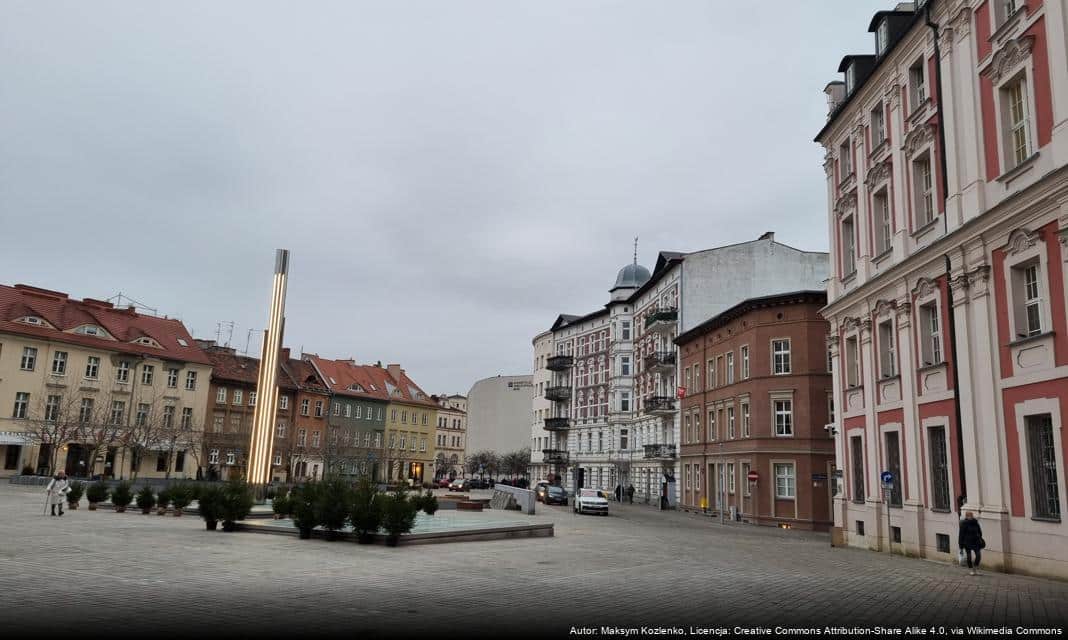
(846, 204)
(924, 288)
(849, 323)
(918, 138)
(1008, 57)
(962, 22)
(904, 312)
(828, 164)
(979, 280)
(1021, 239)
(885, 307)
(879, 173)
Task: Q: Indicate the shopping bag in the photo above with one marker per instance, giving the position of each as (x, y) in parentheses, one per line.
(961, 558)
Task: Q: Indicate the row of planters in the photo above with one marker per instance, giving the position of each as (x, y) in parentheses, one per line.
(333, 504)
(228, 503)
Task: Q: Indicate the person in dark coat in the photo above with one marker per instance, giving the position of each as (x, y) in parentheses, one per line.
(619, 493)
(970, 540)
(630, 493)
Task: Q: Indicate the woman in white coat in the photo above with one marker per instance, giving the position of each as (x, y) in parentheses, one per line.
(57, 491)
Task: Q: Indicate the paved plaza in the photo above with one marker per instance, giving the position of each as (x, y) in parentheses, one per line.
(117, 573)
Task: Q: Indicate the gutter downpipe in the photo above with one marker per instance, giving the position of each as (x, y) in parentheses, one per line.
(933, 26)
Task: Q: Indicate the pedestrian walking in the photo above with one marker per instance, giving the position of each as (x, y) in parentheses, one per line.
(970, 540)
(630, 493)
(619, 493)
(58, 488)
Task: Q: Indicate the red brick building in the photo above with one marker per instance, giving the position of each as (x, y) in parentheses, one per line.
(762, 407)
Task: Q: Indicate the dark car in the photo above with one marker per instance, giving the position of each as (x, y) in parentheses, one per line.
(550, 494)
(474, 483)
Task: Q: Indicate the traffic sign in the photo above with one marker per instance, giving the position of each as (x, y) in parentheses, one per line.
(816, 477)
(681, 392)
(887, 477)
(753, 476)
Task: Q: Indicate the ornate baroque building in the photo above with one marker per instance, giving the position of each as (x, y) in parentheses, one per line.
(948, 218)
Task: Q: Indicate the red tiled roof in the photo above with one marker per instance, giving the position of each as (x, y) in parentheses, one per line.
(304, 375)
(227, 365)
(125, 325)
(342, 374)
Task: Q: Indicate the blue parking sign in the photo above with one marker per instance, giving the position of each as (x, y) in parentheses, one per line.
(887, 477)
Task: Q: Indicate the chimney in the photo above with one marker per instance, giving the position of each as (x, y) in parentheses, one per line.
(767, 235)
(835, 95)
(285, 354)
(395, 372)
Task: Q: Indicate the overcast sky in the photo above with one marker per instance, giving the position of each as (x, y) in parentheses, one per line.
(449, 175)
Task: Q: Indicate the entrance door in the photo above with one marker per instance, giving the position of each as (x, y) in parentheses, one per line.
(580, 478)
(11, 456)
(44, 460)
(77, 463)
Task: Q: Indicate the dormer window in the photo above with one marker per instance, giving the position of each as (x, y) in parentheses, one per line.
(182, 342)
(34, 320)
(355, 387)
(415, 393)
(882, 37)
(850, 78)
(148, 342)
(89, 330)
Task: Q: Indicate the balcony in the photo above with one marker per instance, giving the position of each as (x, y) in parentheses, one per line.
(558, 394)
(662, 361)
(559, 363)
(659, 452)
(557, 424)
(662, 320)
(660, 406)
(554, 456)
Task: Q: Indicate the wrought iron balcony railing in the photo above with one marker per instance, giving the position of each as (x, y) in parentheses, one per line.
(554, 456)
(558, 394)
(559, 363)
(659, 452)
(660, 361)
(661, 319)
(660, 405)
(557, 424)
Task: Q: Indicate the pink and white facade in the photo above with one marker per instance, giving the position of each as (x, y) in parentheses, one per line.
(948, 217)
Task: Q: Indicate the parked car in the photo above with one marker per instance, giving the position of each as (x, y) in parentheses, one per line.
(443, 483)
(591, 501)
(550, 494)
(459, 484)
(477, 483)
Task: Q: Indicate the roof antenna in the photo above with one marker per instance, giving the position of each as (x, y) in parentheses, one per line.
(635, 249)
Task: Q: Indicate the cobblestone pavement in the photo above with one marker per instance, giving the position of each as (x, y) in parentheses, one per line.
(638, 567)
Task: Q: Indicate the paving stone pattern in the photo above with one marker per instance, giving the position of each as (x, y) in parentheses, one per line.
(131, 573)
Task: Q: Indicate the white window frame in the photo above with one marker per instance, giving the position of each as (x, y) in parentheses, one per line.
(1016, 261)
(92, 368)
(790, 477)
(887, 348)
(1038, 407)
(190, 380)
(172, 378)
(238, 396)
(848, 233)
(730, 367)
(283, 403)
(929, 319)
(59, 363)
(923, 189)
(787, 411)
(220, 395)
(787, 357)
(745, 361)
(917, 91)
(746, 422)
(29, 359)
(882, 222)
(148, 374)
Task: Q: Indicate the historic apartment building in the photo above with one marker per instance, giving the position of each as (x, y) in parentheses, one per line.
(228, 419)
(948, 218)
(542, 439)
(308, 454)
(756, 403)
(356, 423)
(95, 389)
(450, 437)
(612, 376)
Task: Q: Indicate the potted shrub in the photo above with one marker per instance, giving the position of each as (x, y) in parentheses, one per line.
(74, 496)
(304, 508)
(181, 495)
(97, 492)
(429, 503)
(333, 503)
(280, 506)
(366, 514)
(28, 471)
(210, 505)
(121, 496)
(163, 498)
(146, 499)
(235, 502)
(398, 516)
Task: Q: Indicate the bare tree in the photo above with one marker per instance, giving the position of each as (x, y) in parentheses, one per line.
(53, 421)
(515, 463)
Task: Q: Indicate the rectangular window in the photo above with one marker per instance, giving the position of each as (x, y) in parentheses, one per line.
(1042, 460)
(118, 410)
(711, 424)
(923, 185)
(315, 439)
(712, 373)
(849, 252)
(283, 403)
(917, 85)
(730, 422)
(239, 396)
(830, 409)
(304, 407)
(235, 423)
(745, 420)
(92, 367)
(936, 437)
(857, 450)
(745, 362)
(881, 222)
(172, 378)
(785, 483)
(168, 416)
(52, 409)
(213, 456)
(22, 406)
(887, 353)
(85, 412)
(1015, 100)
(147, 373)
(784, 417)
(318, 408)
(625, 331)
(187, 418)
(59, 363)
(730, 367)
(624, 401)
(878, 126)
(422, 444)
(29, 358)
(191, 380)
(893, 465)
(280, 430)
(745, 479)
(122, 372)
(231, 458)
(1027, 299)
(217, 423)
(142, 414)
(730, 478)
(780, 350)
(845, 153)
(302, 437)
(337, 408)
(220, 395)
(624, 365)
(931, 334)
(252, 398)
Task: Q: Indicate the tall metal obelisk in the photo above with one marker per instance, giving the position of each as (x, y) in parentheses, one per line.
(263, 417)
